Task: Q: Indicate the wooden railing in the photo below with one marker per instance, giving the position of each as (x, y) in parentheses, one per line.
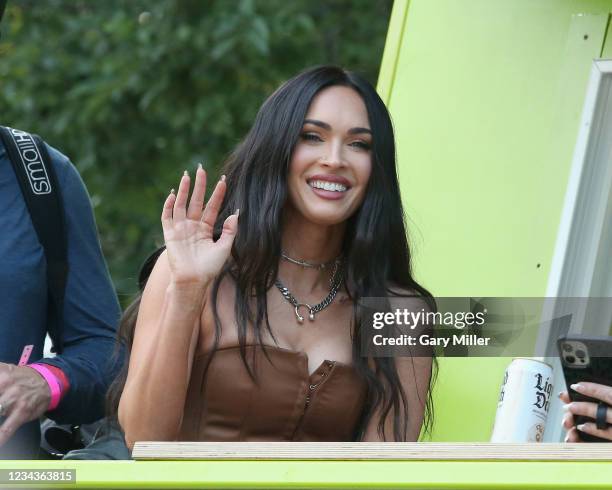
(347, 451)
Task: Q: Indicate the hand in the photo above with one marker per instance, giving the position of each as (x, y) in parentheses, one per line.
(589, 409)
(194, 257)
(24, 396)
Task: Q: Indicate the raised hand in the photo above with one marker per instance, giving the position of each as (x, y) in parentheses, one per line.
(194, 257)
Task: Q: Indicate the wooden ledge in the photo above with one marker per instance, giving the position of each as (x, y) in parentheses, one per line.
(409, 451)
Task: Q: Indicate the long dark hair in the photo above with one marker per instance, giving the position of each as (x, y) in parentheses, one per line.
(256, 176)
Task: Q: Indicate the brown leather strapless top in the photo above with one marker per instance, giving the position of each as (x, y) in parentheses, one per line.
(284, 403)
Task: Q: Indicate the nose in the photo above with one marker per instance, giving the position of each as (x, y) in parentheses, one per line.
(334, 156)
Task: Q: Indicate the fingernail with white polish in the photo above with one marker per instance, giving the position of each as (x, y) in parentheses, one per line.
(185, 173)
(200, 165)
(566, 407)
(580, 427)
(237, 212)
(223, 178)
(566, 439)
(576, 387)
(171, 191)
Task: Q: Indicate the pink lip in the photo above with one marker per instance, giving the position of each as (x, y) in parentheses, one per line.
(331, 195)
(330, 178)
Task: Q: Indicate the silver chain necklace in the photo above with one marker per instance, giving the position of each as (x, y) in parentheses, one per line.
(335, 283)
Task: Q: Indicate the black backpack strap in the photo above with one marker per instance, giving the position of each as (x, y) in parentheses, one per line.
(147, 267)
(32, 165)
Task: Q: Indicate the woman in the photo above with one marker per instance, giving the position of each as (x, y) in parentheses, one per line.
(250, 326)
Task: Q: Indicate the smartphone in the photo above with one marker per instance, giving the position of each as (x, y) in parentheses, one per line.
(585, 358)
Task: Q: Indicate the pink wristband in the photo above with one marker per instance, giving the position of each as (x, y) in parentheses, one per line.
(53, 383)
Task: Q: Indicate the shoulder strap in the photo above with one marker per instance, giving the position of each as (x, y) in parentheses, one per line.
(147, 267)
(32, 165)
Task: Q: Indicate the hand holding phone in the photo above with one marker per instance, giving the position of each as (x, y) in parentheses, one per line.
(587, 367)
(586, 414)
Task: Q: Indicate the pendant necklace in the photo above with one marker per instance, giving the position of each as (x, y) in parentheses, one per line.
(335, 282)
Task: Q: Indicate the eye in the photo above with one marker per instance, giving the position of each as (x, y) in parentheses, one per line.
(362, 145)
(310, 137)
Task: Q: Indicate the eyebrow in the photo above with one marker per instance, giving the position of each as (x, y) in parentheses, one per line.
(327, 127)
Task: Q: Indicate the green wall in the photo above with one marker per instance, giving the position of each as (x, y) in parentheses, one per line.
(486, 97)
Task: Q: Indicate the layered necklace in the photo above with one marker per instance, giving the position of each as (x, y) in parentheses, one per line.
(334, 283)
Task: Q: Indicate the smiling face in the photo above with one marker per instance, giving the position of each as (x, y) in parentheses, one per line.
(331, 163)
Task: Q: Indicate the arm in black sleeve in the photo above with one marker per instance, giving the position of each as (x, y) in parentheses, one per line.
(91, 310)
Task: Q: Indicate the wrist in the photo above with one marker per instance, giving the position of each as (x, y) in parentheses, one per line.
(187, 285)
(54, 384)
(187, 292)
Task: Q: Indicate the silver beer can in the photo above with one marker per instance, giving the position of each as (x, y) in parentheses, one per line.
(524, 400)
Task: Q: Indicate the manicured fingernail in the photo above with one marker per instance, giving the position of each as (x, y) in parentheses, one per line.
(200, 165)
(566, 407)
(566, 439)
(223, 178)
(171, 191)
(576, 387)
(237, 212)
(559, 394)
(185, 173)
(580, 427)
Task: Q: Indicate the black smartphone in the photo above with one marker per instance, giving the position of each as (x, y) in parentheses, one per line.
(585, 358)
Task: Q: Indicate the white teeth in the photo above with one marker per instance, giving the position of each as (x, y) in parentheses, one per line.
(328, 186)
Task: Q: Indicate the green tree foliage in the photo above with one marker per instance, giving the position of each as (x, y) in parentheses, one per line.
(137, 91)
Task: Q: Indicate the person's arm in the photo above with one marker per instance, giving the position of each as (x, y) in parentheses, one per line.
(91, 310)
(414, 373)
(83, 371)
(152, 402)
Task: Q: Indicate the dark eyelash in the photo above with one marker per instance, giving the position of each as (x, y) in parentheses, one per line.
(361, 144)
(310, 137)
(315, 137)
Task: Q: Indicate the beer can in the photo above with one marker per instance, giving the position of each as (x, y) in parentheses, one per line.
(524, 400)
